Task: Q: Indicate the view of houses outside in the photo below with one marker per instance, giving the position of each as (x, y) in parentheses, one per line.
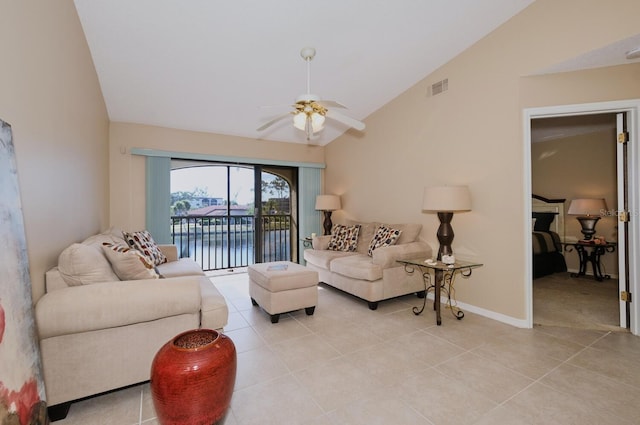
(197, 188)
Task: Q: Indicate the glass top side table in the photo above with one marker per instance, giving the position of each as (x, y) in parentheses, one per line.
(443, 278)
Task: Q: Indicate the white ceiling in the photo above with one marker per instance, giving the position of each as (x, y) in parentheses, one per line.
(213, 65)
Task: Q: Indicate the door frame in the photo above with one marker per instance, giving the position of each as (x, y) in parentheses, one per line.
(632, 107)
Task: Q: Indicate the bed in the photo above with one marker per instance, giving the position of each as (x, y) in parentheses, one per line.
(548, 235)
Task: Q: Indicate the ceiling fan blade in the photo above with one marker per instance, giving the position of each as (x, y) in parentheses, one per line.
(358, 125)
(273, 121)
(331, 104)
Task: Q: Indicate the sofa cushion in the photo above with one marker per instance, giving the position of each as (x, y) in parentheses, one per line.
(321, 242)
(384, 236)
(128, 263)
(367, 230)
(322, 258)
(81, 264)
(115, 304)
(344, 238)
(357, 266)
(410, 232)
(181, 267)
(143, 242)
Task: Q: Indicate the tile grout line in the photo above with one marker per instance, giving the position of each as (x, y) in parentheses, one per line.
(537, 381)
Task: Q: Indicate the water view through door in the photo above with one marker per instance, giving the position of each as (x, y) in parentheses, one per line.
(214, 219)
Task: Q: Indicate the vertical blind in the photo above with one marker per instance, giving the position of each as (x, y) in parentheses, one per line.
(309, 185)
(158, 198)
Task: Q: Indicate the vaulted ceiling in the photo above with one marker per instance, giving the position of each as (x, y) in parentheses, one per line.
(226, 67)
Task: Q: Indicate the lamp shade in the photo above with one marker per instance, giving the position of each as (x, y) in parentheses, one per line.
(446, 198)
(327, 202)
(587, 207)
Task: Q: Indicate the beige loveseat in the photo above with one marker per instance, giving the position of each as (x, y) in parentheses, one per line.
(98, 332)
(374, 277)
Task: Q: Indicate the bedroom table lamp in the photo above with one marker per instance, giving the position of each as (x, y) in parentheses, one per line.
(588, 212)
(445, 200)
(327, 204)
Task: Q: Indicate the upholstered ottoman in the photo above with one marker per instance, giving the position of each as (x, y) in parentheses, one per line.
(282, 286)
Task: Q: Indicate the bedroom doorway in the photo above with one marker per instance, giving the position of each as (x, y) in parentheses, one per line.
(621, 195)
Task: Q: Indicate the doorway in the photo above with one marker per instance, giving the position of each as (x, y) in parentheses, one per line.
(574, 163)
(629, 240)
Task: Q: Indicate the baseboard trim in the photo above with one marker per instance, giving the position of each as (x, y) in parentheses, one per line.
(518, 323)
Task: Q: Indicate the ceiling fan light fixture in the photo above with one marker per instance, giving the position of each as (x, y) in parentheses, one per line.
(317, 122)
(300, 120)
(310, 111)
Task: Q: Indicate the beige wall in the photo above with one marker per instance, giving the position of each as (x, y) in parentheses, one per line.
(128, 171)
(582, 166)
(51, 97)
(472, 134)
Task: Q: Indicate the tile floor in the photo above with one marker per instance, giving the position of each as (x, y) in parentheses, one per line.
(349, 365)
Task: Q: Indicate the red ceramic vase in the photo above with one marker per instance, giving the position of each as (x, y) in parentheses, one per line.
(192, 378)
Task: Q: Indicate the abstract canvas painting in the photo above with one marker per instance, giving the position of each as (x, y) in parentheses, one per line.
(22, 392)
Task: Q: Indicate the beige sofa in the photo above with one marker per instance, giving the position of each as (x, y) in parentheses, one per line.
(373, 278)
(98, 333)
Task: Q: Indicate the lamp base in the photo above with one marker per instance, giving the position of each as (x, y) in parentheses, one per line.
(327, 223)
(445, 234)
(588, 225)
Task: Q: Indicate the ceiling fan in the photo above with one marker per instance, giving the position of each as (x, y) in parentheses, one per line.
(309, 111)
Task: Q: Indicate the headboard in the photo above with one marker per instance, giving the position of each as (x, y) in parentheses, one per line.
(548, 214)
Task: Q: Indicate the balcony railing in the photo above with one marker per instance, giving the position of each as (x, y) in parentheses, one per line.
(228, 241)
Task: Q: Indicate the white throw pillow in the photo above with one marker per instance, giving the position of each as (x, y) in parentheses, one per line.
(128, 263)
(81, 264)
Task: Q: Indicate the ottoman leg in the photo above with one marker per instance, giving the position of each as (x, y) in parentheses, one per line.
(253, 302)
(310, 310)
(275, 318)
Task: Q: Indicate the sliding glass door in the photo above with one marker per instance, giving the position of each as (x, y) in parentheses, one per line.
(219, 219)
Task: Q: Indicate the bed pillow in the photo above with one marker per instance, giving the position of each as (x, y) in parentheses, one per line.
(344, 238)
(143, 242)
(128, 263)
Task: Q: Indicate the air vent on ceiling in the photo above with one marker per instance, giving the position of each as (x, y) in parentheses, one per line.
(439, 87)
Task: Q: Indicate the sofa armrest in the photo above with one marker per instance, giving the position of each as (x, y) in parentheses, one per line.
(170, 251)
(110, 304)
(321, 242)
(388, 256)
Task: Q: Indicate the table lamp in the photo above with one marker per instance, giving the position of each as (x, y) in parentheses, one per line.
(588, 212)
(445, 200)
(327, 204)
